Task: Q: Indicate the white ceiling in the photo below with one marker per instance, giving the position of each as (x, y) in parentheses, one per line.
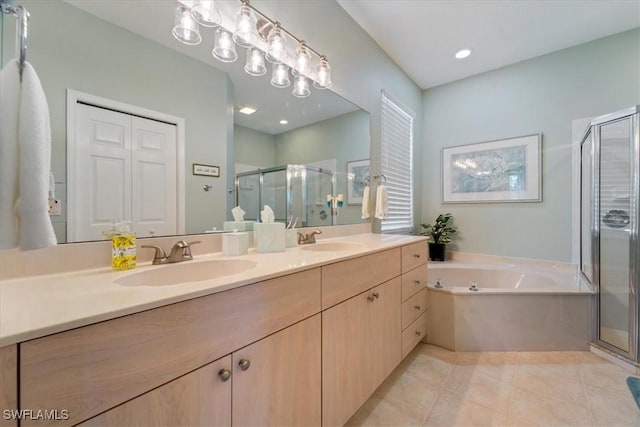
(422, 36)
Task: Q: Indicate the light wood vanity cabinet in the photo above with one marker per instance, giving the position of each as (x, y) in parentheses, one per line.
(303, 349)
(8, 383)
(200, 398)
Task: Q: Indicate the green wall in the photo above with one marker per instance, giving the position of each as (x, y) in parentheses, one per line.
(541, 95)
(252, 147)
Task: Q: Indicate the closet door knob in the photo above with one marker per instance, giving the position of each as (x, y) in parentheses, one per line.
(224, 374)
(244, 364)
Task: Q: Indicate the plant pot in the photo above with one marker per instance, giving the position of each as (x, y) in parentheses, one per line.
(436, 251)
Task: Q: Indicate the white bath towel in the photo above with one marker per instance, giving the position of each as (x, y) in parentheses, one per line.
(366, 212)
(34, 136)
(9, 108)
(382, 203)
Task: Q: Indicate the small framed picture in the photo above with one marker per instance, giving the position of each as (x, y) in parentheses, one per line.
(206, 170)
(357, 180)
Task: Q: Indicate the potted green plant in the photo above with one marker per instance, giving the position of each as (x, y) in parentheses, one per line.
(439, 235)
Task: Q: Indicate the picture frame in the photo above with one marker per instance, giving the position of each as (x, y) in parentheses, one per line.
(499, 171)
(206, 170)
(358, 172)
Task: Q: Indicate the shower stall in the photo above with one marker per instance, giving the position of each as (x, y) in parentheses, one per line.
(292, 191)
(609, 245)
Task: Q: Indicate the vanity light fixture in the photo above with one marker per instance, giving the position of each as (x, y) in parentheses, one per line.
(206, 13)
(185, 28)
(263, 37)
(284, 122)
(280, 76)
(224, 49)
(247, 109)
(461, 54)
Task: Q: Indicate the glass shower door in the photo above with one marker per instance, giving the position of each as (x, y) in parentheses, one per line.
(614, 216)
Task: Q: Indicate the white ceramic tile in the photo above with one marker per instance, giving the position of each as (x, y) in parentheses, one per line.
(612, 409)
(469, 383)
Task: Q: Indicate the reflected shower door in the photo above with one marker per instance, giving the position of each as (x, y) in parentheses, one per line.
(615, 232)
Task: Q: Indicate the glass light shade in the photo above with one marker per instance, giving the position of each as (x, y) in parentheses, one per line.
(301, 87)
(224, 49)
(280, 76)
(255, 62)
(277, 49)
(323, 76)
(185, 28)
(206, 13)
(303, 58)
(245, 34)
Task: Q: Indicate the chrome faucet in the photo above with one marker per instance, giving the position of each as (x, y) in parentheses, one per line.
(181, 251)
(305, 239)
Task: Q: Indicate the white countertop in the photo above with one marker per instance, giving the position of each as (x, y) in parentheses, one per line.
(33, 307)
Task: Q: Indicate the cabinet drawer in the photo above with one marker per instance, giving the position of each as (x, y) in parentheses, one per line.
(414, 255)
(414, 281)
(94, 368)
(413, 334)
(344, 279)
(413, 308)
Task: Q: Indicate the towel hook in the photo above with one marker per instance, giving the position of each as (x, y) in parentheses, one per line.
(22, 15)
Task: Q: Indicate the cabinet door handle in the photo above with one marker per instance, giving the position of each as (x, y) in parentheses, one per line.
(370, 298)
(244, 364)
(224, 374)
(416, 255)
(376, 295)
(417, 282)
(417, 307)
(418, 333)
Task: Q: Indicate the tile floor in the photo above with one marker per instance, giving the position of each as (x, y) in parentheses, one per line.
(437, 387)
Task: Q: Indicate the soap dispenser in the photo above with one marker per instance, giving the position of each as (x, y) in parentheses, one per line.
(123, 244)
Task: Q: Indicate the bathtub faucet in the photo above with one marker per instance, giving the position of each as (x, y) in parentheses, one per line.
(439, 283)
(474, 286)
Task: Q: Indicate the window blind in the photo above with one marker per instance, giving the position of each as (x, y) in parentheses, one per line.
(397, 164)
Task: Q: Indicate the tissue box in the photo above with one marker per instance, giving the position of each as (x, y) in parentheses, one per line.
(238, 225)
(269, 237)
(234, 244)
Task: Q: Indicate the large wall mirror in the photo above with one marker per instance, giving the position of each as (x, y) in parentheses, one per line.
(148, 106)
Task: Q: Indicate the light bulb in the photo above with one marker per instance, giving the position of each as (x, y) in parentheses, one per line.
(323, 76)
(277, 49)
(255, 62)
(280, 76)
(245, 34)
(301, 87)
(303, 57)
(224, 49)
(205, 12)
(185, 28)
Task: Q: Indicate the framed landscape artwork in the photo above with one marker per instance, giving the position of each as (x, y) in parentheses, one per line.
(358, 178)
(505, 170)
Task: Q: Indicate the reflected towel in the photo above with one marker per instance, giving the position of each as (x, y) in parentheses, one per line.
(634, 387)
(382, 203)
(9, 108)
(34, 136)
(366, 212)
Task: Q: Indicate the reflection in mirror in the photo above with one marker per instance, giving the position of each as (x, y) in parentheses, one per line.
(157, 90)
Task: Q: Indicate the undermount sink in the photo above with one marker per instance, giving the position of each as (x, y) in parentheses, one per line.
(186, 272)
(333, 246)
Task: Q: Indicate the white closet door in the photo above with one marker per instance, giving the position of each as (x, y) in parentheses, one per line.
(154, 186)
(99, 172)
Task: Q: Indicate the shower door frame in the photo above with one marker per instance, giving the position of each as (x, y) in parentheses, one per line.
(594, 133)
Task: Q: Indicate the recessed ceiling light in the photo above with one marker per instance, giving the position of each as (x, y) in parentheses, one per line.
(461, 54)
(284, 122)
(247, 109)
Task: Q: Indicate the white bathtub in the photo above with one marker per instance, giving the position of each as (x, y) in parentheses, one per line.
(516, 307)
